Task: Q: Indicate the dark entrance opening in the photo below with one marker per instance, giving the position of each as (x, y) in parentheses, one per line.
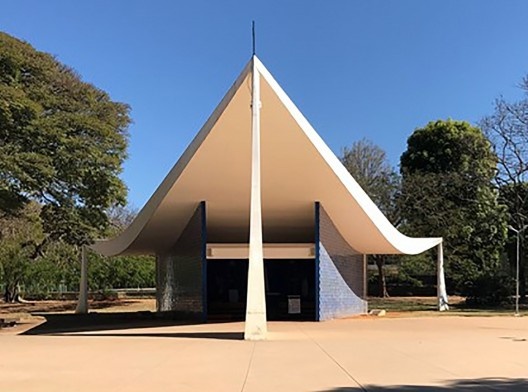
(290, 289)
(226, 289)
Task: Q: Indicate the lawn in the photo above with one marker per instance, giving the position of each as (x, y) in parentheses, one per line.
(426, 306)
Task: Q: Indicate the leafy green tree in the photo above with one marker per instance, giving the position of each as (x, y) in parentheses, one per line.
(121, 272)
(447, 191)
(56, 269)
(368, 164)
(29, 269)
(18, 236)
(62, 144)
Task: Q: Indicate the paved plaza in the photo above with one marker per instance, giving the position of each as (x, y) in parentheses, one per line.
(359, 354)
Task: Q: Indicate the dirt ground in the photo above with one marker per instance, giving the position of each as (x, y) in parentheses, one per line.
(33, 310)
(395, 307)
(59, 306)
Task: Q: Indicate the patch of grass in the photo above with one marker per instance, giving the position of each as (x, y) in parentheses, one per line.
(403, 304)
(427, 306)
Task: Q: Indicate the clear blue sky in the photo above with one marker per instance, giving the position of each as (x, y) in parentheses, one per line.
(374, 69)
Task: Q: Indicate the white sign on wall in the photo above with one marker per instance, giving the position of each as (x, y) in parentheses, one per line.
(294, 304)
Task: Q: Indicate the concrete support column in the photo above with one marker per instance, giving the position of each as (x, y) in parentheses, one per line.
(443, 303)
(365, 277)
(82, 303)
(255, 326)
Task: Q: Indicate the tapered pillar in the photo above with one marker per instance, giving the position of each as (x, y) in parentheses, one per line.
(255, 327)
(441, 290)
(82, 303)
(365, 278)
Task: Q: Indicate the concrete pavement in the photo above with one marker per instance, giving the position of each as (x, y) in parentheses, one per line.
(372, 354)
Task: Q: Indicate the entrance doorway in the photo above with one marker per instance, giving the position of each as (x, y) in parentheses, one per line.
(290, 289)
(289, 283)
(226, 289)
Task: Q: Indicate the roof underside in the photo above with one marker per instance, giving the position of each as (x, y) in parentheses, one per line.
(297, 169)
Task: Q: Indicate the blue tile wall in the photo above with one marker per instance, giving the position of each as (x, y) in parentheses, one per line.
(181, 271)
(339, 272)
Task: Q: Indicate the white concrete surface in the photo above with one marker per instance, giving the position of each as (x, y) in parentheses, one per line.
(363, 354)
(297, 169)
(255, 327)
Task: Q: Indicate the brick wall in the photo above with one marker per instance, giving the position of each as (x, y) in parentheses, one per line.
(180, 273)
(340, 272)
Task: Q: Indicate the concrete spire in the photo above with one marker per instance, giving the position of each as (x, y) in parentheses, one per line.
(443, 303)
(255, 328)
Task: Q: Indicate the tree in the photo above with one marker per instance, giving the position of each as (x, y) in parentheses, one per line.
(507, 128)
(120, 218)
(17, 238)
(62, 144)
(121, 271)
(368, 164)
(29, 269)
(447, 191)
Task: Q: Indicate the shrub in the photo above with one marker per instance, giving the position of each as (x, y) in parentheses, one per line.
(490, 288)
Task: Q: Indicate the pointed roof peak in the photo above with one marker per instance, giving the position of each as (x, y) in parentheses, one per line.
(298, 168)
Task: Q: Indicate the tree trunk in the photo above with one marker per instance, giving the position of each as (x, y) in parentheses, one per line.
(11, 293)
(382, 285)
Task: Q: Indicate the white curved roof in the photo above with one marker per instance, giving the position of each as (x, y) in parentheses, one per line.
(298, 168)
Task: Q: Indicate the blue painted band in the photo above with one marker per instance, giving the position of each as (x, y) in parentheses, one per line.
(204, 259)
(316, 241)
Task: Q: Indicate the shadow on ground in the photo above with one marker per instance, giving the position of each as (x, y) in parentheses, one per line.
(181, 335)
(477, 385)
(109, 323)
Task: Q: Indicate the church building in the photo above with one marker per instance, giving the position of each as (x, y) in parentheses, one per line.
(258, 220)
